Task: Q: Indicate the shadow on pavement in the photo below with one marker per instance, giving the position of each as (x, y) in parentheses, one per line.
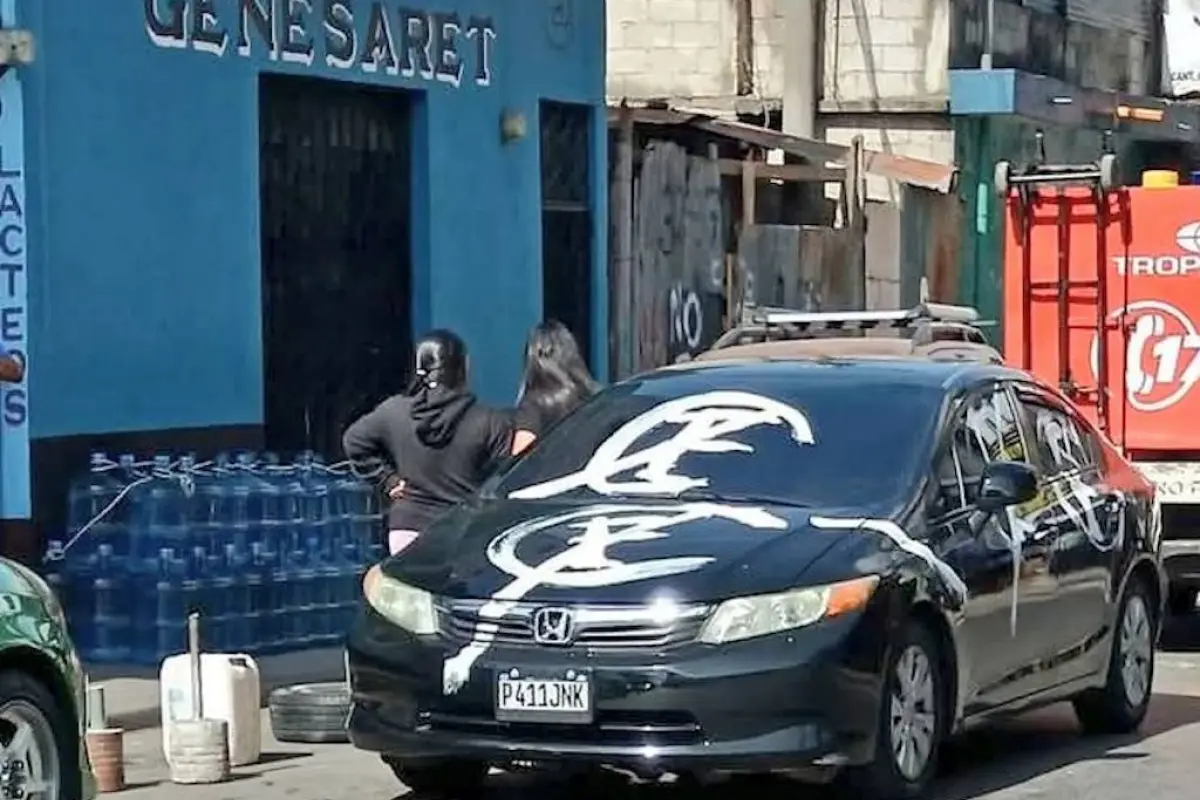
(988, 760)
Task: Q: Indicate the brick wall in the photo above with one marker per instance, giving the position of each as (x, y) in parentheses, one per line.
(884, 50)
(688, 49)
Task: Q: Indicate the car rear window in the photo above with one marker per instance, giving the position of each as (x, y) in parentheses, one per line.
(821, 438)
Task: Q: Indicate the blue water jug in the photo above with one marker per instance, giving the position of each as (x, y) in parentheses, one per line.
(271, 504)
(162, 513)
(211, 507)
(112, 623)
(289, 579)
(88, 496)
(170, 618)
(197, 591)
(261, 623)
(234, 587)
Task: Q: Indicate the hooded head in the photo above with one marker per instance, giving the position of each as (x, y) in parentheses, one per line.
(439, 387)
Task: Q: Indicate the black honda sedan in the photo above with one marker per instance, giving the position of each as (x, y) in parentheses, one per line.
(821, 566)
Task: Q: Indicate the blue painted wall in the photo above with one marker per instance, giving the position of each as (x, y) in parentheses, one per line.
(142, 157)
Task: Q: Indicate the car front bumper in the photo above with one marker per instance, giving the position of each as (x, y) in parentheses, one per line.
(779, 702)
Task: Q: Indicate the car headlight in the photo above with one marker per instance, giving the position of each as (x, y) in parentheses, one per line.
(747, 617)
(400, 604)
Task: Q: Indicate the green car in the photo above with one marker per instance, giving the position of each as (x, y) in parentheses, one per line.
(42, 695)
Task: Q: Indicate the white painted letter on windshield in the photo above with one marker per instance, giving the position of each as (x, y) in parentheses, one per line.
(706, 421)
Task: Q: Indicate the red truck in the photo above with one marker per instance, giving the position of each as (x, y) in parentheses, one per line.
(1102, 298)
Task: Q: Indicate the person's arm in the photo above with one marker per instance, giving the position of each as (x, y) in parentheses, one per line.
(498, 446)
(12, 369)
(364, 443)
(526, 426)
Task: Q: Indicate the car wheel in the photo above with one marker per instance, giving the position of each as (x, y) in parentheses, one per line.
(449, 779)
(911, 721)
(1121, 705)
(40, 741)
(1181, 601)
(312, 713)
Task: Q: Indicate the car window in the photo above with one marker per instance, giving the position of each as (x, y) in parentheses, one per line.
(1063, 443)
(814, 436)
(983, 430)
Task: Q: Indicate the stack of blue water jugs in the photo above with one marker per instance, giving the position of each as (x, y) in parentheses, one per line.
(271, 555)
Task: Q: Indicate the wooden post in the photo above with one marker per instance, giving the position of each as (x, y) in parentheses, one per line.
(855, 192)
(621, 284)
(749, 219)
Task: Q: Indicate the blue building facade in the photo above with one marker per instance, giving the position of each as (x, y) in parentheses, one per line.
(137, 139)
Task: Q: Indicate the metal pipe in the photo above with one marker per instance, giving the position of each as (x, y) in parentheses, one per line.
(989, 36)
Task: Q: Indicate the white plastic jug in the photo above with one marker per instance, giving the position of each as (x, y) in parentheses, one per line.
(230, 686)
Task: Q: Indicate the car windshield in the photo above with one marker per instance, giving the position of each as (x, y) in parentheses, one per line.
(820, 436)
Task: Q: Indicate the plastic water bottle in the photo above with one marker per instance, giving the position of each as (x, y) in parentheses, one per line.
(260, 619)
(196, 590)
(170, 615)
(229, 587)
(87, 496)
(111, 616)
(162, 515)
(290, 582)
(210, 507)
(271, 529)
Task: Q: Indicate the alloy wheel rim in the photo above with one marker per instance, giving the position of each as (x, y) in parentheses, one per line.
(913, 713)
(1137, 650)
(29, 765)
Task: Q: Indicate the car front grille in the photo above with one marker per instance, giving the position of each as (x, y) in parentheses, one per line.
(595, 627)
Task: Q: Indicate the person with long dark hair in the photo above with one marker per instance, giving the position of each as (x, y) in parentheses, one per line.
(436, 440)
(556, 382)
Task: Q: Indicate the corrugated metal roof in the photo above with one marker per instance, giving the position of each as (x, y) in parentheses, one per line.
(903, 169)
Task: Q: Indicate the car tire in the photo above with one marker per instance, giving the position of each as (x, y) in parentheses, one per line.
(453, 779)
(25, 700)
(310, 713)
(1181, 601)
(1121, 705)
(915, 652)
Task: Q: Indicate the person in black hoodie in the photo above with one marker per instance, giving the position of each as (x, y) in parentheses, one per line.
(438, 442)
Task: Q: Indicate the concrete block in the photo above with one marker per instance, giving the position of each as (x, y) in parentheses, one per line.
(900, 58)
(627, 10)
(695, 34)
(674, 10)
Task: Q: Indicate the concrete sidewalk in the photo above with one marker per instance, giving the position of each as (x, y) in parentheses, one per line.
(131, 694)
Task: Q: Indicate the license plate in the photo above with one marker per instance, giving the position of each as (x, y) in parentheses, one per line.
(524, 699)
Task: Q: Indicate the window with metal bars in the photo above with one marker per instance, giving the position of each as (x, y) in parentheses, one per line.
(336, 262)
(567, 228)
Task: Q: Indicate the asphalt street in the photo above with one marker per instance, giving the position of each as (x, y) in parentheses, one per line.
(1038, 755)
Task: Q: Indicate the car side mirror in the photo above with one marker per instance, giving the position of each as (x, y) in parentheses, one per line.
(1006, 483)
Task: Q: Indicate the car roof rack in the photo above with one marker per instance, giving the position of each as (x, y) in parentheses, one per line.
(926, 321)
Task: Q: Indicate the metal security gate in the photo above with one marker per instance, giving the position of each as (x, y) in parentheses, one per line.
(335, 192)
(567, 218)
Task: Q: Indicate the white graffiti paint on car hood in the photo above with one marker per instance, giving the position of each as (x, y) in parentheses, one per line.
(705, 420)
(900, 537)
(586, 563)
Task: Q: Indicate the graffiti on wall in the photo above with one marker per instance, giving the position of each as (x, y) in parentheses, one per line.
(14, 438)
(373, 37)
(694, 321)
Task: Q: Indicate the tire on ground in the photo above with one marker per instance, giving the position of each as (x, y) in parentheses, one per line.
(881, 779)
(1108, 710)
(21, 687)
(310, 713)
